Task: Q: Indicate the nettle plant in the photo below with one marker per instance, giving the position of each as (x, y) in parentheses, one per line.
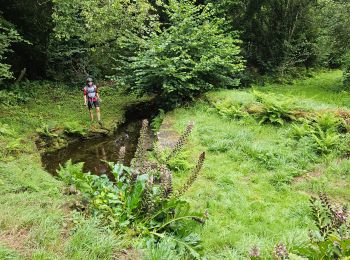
(141, 198)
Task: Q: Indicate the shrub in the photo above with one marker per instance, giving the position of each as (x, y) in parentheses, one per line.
(227, 109)
(8, 35)
(328, 122)
(324, 131)
(300, 130)
(141, 197)
(191, 56)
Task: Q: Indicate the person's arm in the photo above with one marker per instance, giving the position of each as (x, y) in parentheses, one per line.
(85, 99)
(98, 95)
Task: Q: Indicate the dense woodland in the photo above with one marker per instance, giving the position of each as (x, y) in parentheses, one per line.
(245, 156)
(161, 43)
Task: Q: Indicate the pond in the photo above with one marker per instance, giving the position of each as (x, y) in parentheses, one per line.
(94, 151)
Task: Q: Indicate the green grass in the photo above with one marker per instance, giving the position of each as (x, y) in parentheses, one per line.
(35, 219)
(255, 184)
(325, 87)
(257, 181)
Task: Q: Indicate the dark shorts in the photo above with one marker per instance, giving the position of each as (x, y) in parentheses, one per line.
(92, 104)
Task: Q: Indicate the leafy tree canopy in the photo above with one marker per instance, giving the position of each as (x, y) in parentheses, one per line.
(192, 55)
(90, 35)
(8, 35)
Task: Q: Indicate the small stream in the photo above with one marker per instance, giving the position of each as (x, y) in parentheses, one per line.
(93, 151)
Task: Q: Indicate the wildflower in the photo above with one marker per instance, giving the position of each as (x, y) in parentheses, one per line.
(193, 176)
(281, 252)
(121, 155)
(181, 142)
(254, 253)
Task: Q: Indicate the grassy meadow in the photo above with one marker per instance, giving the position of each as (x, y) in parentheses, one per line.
(256, 182)
(257, 178)
(35, 218)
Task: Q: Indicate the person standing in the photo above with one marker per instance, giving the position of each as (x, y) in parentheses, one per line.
(92, 100)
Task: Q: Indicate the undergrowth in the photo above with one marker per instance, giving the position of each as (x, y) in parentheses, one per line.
(331, 239)
(141, 200)
(326, 130)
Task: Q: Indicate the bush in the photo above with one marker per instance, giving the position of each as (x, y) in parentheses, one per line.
(10, 98)
(227, 109)
(268, 108)
(324, 131)
(325, 141)
(300, 130)
(47, 130)
(328, 122)
(190, 57)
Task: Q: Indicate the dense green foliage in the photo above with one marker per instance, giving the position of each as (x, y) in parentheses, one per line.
(140, 199)
(91, 37)
(334, 36)
(268, 148)
(155, 43)
(278, 35)
(191, 56)
(8, 35)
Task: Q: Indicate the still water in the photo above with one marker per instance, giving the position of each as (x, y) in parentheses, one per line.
(93, 152)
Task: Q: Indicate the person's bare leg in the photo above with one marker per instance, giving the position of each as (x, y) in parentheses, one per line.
(98, 114)
(91, 115)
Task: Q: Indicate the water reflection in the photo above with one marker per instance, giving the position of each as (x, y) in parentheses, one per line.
(93, 152)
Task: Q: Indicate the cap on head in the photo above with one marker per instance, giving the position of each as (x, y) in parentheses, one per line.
(89, 80)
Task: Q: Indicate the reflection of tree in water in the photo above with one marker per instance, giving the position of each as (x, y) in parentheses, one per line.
(101, 167)
(94, 152)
